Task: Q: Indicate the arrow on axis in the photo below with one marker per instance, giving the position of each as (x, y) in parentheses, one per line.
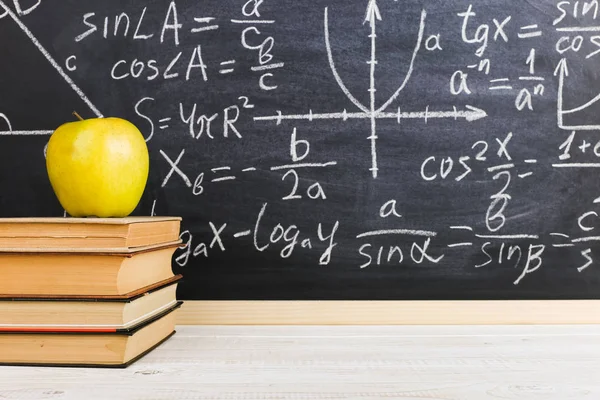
(372, 13)
(561, 70)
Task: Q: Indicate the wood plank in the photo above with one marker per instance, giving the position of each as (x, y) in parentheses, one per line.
(377, 331)
(339, 362)
(389, 312)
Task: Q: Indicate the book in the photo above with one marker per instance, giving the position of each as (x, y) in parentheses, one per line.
(78, 313)
(89, 233)
(87, 349)
(82, 272)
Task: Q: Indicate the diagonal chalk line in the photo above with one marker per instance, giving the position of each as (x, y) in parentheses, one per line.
(49, 58)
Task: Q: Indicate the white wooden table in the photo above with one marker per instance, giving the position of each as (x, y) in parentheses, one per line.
(299, 362)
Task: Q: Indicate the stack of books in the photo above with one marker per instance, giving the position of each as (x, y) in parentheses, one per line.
(86, 291)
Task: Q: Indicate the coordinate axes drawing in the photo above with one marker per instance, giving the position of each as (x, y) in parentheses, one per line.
(374, 113)
(562, 71)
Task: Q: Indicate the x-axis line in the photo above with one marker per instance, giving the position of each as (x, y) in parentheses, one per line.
(470, 114)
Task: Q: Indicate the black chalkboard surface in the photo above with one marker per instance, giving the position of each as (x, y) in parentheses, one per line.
(332, 149)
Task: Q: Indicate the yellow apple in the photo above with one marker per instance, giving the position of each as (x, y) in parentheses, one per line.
(98, 167)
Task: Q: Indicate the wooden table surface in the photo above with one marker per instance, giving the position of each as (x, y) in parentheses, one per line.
(339, 362)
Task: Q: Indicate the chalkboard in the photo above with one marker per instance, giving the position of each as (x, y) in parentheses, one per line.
(327, 149)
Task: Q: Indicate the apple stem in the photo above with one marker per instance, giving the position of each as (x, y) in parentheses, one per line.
(77, 115)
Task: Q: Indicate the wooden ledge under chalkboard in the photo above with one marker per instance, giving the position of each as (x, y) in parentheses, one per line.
(435, 312)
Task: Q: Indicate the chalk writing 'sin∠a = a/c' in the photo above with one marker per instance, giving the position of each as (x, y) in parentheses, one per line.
(138, 26)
